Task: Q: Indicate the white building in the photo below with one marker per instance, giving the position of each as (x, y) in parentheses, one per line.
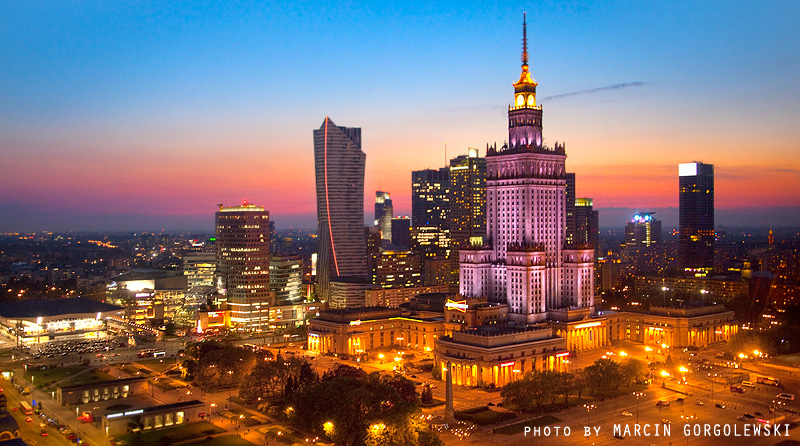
(524, 261)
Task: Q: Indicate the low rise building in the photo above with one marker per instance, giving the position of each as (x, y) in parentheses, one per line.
(493, 356)
(38, 321)
(155, 417)
(101, 391)
(357, 330)
(692, 325)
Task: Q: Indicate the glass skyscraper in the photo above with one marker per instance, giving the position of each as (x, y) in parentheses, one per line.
(339, 170)
(696, 220)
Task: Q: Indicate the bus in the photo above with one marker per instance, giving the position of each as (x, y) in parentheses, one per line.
(26, 408)
(768, 381)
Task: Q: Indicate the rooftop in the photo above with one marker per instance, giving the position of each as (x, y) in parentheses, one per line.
(54, 307)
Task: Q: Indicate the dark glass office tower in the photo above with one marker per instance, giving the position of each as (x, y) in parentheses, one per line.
(696, 221)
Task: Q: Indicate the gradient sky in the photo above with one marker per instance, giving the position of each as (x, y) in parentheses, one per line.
(145, 115)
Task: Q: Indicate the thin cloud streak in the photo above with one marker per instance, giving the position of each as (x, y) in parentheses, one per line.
(596, 90)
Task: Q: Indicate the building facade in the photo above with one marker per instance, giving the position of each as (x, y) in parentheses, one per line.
(696, 219)
(384, 211)
(674, 327)
(355, 331)
(199, 268)
(339, 171)
(467, 198)
(286, 278)
(524, 261)
(242, 249)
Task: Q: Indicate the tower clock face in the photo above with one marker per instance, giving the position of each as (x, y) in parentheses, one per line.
(520, 100)
(530, 100)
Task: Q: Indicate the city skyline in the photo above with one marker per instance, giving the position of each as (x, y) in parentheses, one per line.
(122, 119)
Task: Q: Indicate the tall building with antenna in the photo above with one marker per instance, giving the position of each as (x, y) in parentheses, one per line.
(525, 262)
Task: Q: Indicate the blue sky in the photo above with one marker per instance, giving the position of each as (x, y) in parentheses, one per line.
(146, 114)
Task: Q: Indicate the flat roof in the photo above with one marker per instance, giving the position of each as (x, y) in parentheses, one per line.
(54, 307)
(104, 383)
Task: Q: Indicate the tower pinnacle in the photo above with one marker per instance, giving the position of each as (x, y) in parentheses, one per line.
(524, 41)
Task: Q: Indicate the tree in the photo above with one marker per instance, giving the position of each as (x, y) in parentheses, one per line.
(633, 370)
(566, 385)
(603, 376)
(359, 409)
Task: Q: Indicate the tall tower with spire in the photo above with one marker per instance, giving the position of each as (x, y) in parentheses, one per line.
(524, 262)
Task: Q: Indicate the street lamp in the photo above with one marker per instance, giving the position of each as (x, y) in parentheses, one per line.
(664, 294)
(638, 395)
(588, 408)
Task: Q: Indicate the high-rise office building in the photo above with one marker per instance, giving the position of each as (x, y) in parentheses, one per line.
(643, 231)
(587, 222)
(430, 197)
(696, 219)
(644, 251)
(339, 169)
(286, 278)
(401, 232)
(384, 211)
(199, 268)
(570, 237)
(242, 275)
(524, 261)
(467, 198)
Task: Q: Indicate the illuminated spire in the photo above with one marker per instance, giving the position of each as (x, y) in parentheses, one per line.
(525, 77)
(524, 40)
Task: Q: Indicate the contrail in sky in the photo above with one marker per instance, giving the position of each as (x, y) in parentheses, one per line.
(596, 90)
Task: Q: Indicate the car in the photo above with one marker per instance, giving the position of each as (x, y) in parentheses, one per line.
(43, 433)
(28, 419)
(758, 414)
(741, 418)
(413, 376)
(665, 421)
(662, 403)
(719, 406)
(700, 403)
(748, 384)
(748, 415)
(14, 409)
(619, 436)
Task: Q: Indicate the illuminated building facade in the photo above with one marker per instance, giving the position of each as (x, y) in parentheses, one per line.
(524, 261)
(339, 171)
(696, 219)
(357, 330)
(467, 198)
(495, 356)
(243, 257)
(674, 327)
(199, 268)
(41, 321)
(286, 278)
(643, 231)
(398, 269)
(394, 297)
(644, 247)
(430, 208)
(384, 211)
(430, 197)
